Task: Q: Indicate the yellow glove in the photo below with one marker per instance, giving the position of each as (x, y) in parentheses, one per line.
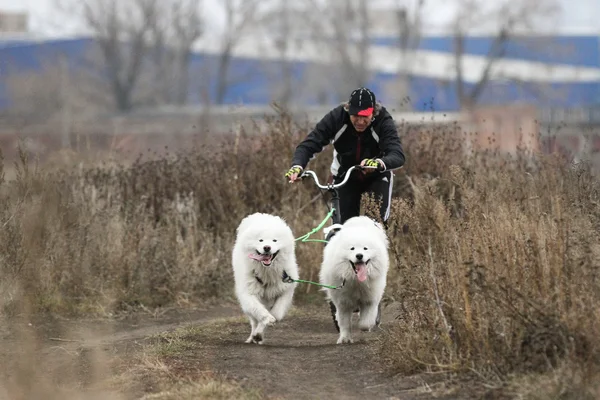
(369, 162)
(293, 173)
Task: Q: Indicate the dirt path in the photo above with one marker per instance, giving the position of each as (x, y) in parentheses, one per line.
(299, 359)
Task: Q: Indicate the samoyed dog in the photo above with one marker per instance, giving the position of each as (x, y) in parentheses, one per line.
(263, 254)
(357, 259)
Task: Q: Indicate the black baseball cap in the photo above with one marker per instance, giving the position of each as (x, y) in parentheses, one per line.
(362, 102)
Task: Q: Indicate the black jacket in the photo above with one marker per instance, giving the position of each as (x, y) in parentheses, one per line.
(380, 141)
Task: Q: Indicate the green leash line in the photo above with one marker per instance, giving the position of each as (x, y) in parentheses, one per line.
(289, 279)
(305, 239)
(315, 283)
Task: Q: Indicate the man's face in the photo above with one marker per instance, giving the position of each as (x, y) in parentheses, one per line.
(360, 122)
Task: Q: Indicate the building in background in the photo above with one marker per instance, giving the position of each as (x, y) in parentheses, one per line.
(13, 22)
(552, 75)
(559, 71)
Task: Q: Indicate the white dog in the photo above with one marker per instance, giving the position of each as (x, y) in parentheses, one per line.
(264, 250)
(357, 258)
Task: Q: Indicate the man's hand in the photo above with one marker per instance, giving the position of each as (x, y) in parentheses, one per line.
(369, 162)
(293, 173)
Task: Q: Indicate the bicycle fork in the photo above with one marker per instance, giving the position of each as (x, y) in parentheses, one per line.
(335, 204)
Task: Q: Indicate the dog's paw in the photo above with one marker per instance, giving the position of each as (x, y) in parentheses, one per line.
(344, 340)
(270, 320)
(258, 339)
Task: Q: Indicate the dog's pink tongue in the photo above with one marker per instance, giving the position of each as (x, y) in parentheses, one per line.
(259, 257)
(361, 271)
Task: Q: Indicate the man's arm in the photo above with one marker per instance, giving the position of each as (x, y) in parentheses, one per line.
(390, 144)
(318, 138)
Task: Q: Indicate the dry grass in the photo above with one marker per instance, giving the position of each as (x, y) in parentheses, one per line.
(156, 378)
(159, 232)
(509, 288)
(497, 275)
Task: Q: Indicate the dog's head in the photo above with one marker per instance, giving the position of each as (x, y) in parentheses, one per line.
(265, 249)
(359, 250)
(359, 256)
(266, 238)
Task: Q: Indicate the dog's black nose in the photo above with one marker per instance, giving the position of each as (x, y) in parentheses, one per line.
(267, 249)
(359, 256)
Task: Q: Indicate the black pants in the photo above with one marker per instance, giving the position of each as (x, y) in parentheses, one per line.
(379, 184)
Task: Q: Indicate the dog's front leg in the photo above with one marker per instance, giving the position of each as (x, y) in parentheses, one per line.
(259, 333)
(253, 324)
(344, 318)
(368, 316)
(252, 307)
(282, 304)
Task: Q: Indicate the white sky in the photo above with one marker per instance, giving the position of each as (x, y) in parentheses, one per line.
(578, 15)
(43, 18)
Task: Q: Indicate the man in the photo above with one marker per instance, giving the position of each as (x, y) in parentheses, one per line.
(362, 132)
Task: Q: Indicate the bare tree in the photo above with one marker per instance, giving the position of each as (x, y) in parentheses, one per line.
(511, 18)
(239, 17)
(341, 28)
(187, 24)
(341, 34)
(409, 30)
(279, 23)
(353, 51)
(409, 25)
(122, 29)
(284, 23)
(144, 45)
(174, 36)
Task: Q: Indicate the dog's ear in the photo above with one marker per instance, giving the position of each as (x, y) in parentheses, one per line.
(334, 227)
